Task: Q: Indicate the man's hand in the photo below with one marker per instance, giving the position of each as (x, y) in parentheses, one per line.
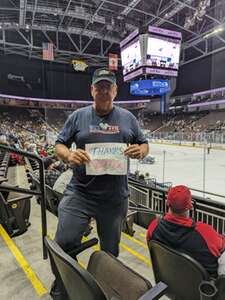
(134, 151)
(78, 157)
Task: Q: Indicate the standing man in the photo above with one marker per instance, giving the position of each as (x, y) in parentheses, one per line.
(103, 197)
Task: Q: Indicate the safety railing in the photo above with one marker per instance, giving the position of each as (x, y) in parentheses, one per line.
(208, 211)
(42, 193)
(198, 137)
(139, 196)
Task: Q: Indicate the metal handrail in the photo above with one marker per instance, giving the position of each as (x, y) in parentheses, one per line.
(208, 193)
(211, 212)
(42, 193)
(143, 210)
(199, 199)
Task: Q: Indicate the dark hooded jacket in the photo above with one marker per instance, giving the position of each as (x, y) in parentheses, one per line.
(198, 240)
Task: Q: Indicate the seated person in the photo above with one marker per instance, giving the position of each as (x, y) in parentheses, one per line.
(62, 181)
(177, 230)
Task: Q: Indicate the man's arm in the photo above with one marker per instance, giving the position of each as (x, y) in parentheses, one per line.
(139, 144)
(62, 152)
(77, 157)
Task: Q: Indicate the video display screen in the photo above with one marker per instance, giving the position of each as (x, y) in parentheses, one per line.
(156, 52)
(163, 52)
(131, 56)
(149, 87)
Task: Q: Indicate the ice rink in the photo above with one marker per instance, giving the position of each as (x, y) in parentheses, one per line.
(184, 165)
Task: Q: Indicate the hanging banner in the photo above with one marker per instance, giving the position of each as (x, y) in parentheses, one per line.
(113, 62)
(79, 65)
(47, 51)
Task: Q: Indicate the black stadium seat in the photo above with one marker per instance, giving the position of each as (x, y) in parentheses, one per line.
(179, 271)
(52, 200)
(35, 184)
(15, 212)
(220, 284)
(106, 278)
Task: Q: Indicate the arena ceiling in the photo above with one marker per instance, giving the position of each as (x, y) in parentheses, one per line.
(93, 28)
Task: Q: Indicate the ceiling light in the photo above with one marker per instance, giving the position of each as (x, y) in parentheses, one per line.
(215, 31)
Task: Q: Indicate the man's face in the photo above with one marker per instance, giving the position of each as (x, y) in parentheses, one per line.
(103, 94)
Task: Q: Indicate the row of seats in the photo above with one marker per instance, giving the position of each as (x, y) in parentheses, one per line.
(33, 164)
(177, 275)
(52, 197)
(4, 164)
(105, 278)
(14, 204)
(14, 211)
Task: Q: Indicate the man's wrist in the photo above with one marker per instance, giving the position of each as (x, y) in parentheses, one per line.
(143, 154)
(67, 156)
(144, 151)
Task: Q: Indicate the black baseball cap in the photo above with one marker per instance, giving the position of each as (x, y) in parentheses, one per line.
(103, 74)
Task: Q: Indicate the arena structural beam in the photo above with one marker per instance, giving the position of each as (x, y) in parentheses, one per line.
(22, 16)
(152, 15)
(65, 13)
(195, 41)
(167, 12)
(31, 49)
(34, 12)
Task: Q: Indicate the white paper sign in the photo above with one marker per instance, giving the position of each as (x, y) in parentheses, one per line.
(106, 158)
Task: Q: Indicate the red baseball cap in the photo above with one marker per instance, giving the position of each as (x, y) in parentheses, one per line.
(179, 197)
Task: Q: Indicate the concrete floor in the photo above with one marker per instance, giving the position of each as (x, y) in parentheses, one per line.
(15, 285)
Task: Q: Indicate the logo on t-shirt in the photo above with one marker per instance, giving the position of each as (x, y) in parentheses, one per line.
(104, 128)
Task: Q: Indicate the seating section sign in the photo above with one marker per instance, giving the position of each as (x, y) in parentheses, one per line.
(106, 159)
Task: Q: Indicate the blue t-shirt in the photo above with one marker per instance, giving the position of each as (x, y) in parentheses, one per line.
(84, 126)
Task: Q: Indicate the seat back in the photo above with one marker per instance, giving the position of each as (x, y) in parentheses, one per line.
(220, 284)
(79, 284)
(179, 271)
(117, 280)
(35, 185)
(52, 200)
